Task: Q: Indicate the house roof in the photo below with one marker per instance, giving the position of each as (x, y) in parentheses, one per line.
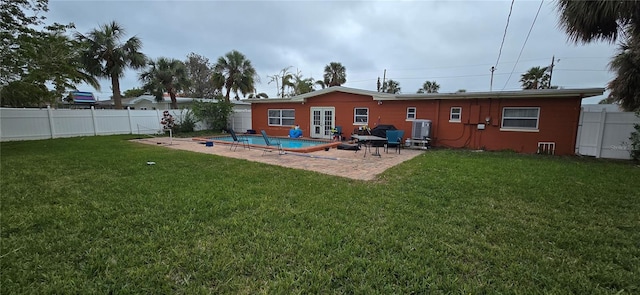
(535, 93)
(303, 97)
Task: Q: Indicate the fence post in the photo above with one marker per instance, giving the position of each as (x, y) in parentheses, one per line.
(159, 120)
(603, 119)
(95, 121)
(579, 132)
(130, 121)
(50, 114)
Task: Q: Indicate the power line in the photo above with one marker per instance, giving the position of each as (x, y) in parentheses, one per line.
(523, 45)
(580, 70)
(472, 66)
(504, 36)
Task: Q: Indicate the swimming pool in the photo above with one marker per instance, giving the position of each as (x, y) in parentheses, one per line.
(288, 144)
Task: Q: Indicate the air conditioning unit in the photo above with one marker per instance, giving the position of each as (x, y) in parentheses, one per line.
(421, 130)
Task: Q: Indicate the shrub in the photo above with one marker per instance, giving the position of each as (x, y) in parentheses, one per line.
(214, 114)
(186, 123)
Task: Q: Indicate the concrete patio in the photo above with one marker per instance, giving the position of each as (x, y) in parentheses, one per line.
(343, 163)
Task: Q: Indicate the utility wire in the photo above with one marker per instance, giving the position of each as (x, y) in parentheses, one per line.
(523, 45)
(504, 36)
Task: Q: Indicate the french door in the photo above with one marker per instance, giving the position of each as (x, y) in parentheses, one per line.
(322, 121)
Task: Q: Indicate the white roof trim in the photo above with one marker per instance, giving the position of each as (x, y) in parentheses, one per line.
(303, 97)
(536, 93)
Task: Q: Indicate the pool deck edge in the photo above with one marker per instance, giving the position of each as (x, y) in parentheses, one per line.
(328, 145)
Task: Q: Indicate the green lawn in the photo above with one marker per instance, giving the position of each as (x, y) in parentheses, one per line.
(87, 216)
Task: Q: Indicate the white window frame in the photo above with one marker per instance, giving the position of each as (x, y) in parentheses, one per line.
(280, 117)
(356, 116)
(411, 113)
(516, 128)
(457, 114)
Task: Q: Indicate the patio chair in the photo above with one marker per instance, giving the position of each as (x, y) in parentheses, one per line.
(275, 142)
(394, 139)
(237, 140)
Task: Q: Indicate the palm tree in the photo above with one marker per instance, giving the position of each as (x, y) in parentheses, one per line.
(626, 65)
(107, 56)
(234, 72)
(335, 74)
(429, 87)
(320, 83)
(168, 75)
(284, 77)
(535, 78)
(603, 20)
(391, 86)
(302, 85)
(588, 21)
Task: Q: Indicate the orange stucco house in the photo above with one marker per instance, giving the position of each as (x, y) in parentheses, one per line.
(525, 121)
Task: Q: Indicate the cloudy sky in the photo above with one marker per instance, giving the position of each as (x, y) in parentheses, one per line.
(454, 43)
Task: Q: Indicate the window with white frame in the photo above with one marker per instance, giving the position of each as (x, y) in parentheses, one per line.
(411, 113)
(520, 118)
(455, 115)
(284, 117)
(361, 116)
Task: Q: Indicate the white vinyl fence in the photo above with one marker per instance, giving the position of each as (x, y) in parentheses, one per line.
(30, 124)
(605, 134)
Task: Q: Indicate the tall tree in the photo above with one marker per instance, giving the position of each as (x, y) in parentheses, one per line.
(17, 21)
(199, 72)
(107, 56)
(590, 21)
(234, 72)
(601, 20)
(282, 80)
(335, 74)
(133, 92)
(391, 86)
(302, 85)
(535, 78)
(31, 59)
(168, 75)
(59, 61)
(429, 87)
(625, 87)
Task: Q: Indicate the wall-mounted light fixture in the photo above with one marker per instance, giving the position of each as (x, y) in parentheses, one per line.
(379, 102)
(487, 120)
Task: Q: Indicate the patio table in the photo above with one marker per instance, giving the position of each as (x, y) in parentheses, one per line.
(368, 141)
